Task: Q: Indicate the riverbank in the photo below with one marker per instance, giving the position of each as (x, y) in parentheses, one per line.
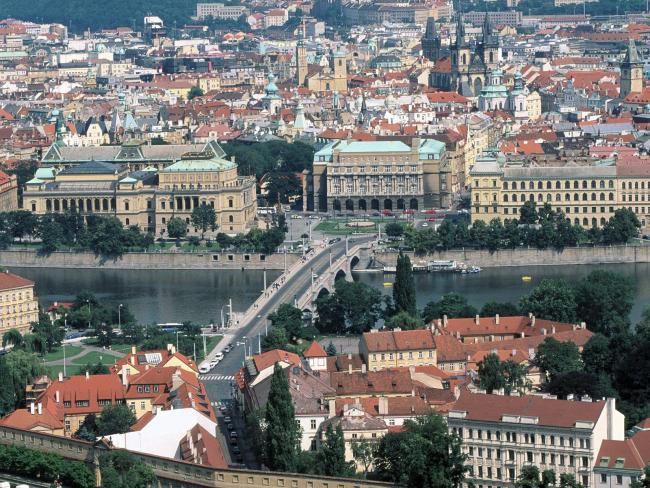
(530, 257)
(149, 260)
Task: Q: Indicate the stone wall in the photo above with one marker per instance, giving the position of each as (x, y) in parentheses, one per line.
(174, 473)
(149, 260)
(531, 257)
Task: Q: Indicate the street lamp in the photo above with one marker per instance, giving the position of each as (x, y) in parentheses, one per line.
(119, 317)
(244, 343)
(89, 312)
(177, 332)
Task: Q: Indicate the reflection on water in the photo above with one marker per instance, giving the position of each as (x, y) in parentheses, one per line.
(505, 284)
(154, 295)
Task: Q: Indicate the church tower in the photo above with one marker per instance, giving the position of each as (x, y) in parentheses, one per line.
(340, 69)
(461, 55)
(631, 71)
(431, 41)
(301, 62)
(490, 46)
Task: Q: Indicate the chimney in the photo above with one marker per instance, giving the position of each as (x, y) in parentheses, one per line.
(383, 405)
(583, 325)
(132, 349)
(31, 408)
(56, 397)
(125, 376)
(61, 376)
(350, 368)
(40, 408)
(476, 319)
(544, 332)
(521, 334)
(350, 356)
(444, 320)
(87, 374)
(440, 323)
(553, 329)
(496, 319)
(132, 360)
(332, 408)
(532, 321)
(411, 370)
(412, 393)
(363, 368)
(573, 326)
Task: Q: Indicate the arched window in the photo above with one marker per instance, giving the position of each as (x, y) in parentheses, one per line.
(602, 196)
(576, 184)
(636, 185)
(567, 185)
(548, 185)
(593, 183)
(623, 186)
(601, 184)
(585, 221)
(584, 197)
(505, 198)
(231, 219)
(624, 197)
(576, 197)
(593, 197)
(540, 185)
(611, 196)
(558, 185)
(584, 183)
(567, 197)
(531, 185)
(514, 197)
(610, 184)
(558, 197)
(540, 197)
(505, 185)
(531, 197)
(548, 197)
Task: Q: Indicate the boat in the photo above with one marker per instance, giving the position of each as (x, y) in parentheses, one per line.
(388, 284)
(526, 278)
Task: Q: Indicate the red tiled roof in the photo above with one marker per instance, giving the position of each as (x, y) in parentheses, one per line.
(9, 281)
(315, 350)
(402, 340)
(269, 358)
(507, 325)
(558, 413)
(635, 452)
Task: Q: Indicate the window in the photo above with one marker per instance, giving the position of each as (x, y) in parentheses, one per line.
(603, 478)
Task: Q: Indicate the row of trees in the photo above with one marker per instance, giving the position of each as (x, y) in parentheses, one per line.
(543, 229)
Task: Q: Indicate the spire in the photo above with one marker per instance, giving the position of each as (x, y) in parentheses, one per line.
(487, 27)
(460, 31)
(430, 32)
(632, 55)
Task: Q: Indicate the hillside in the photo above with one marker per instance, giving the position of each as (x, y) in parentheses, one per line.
(80, 15)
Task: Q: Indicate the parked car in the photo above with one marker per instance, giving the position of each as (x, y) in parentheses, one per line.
(236, 450)
(226, 349)
(234, 434)
(218, 356)
(230, 427)
(233, 441)
(204, 368)
(227, 419)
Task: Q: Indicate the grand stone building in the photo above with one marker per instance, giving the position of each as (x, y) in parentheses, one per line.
(364, 176)
(144, 186)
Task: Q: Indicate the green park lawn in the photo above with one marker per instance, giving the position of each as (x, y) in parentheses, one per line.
(57, 354)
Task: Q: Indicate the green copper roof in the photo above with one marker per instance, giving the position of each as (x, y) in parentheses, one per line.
(372, 146)
(199, 165)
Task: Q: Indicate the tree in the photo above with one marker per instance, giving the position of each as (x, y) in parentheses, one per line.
(604, 301)
(22, 223)
(52, 334)
(121, 469)
(425, 455)
(393, 229)
(453, 305)
(12, 338)
(106, 236)
(528, 213)
(115, 419)
(330, 458)
(194, 92)
(515, 375)
(176, 228)
(580, 383)
(551, 300)
(554, 357)
(7, 394)
(567, 480)
(404, 321)
(354, 307)
(529, 477)
(50, 233)
(597, 355)
(204, 217)
(275, 339)
(288, 318)
(330, 315)
(640, 482)
(490, 373)
(97, 368)
(504, 309)
(281, 430)
(331, 349)
(621, 227)
(404, 286)
(363, 452)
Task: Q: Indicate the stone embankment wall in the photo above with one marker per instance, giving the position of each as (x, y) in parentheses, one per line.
(532, 257)
(149, 260)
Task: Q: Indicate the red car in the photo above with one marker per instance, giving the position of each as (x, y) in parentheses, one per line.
(430, 211)
(387, 212)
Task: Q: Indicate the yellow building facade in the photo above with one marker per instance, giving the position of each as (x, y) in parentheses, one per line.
(398, 348)
(587, 195)
(18, 304)
(149, 197)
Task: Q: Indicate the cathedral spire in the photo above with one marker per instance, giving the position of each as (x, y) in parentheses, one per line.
(460, 31)
(631, 55)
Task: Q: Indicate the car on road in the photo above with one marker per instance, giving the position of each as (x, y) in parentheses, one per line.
(236, 450)
(234, 434)
(230, 427)
(204, 368)
(227, 419)
(233, 441)
(218, 356)
(296, 216)
(425, 224)
(226, 349)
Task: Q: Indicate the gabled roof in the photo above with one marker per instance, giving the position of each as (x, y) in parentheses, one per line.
(9, 281)
(315, 350)
(399, 340)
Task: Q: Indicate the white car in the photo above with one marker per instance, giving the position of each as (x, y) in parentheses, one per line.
(204, 368)
(218, 356)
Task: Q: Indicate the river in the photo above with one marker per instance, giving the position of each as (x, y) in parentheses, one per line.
(198, 295)
(505, 284)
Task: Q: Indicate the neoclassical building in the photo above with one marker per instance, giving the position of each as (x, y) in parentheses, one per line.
(364, 176)
(147, 196)
(587, 195)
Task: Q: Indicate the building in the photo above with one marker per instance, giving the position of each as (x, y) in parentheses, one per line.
(276, 17)
(501, 434)
(631, 71)
(511, 18)
(302, 66)
(588, 195)
(220, 11)
(8, 192)
(620, 462)
(380, 175)
(150, 197)
(18, 304)
(329, 74)
(397, 348)
(470, 64)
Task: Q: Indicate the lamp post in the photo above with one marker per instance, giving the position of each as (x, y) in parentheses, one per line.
(119, 317)
(177, 332)
(244, 343)
(89, 313)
